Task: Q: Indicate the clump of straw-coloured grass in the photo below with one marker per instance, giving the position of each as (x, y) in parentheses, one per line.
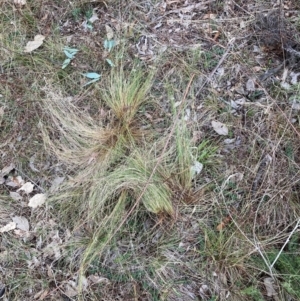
(111, 163)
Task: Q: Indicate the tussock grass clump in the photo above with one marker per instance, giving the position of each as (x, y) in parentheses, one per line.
(111, 163)
(82, 139)
(155, 204)
(126, 92)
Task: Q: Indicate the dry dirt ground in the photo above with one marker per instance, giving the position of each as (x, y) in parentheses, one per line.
(149, 150)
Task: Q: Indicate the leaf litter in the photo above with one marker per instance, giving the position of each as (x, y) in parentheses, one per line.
(35, 44)
(175, 18)
(15, 181)
(220, 128)
(37, 200)
(9, 227)
(27, 187)
(21, 223)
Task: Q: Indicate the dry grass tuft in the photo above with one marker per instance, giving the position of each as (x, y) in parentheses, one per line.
(132, 218)
(110, 166)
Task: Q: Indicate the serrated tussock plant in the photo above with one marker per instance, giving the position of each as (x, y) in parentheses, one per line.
(110, 161)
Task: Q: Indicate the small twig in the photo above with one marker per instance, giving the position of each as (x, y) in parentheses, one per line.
(286, 242)
(255, 244)
(270, 72)
(292, 51)
(209, 78)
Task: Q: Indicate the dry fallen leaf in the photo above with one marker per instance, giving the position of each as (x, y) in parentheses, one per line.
(21, 222)
(10, 226)
(31, 164)
(229, 141)
(55, 183)
(224, 223)
(209, 16)
(269, 282)
(20, 2)
(37, 200)
(220, 128)
(294, 77)
(95, 279)
(71, 289)
(7, 169)
(22, 233)
(41, 295)
(235, 178)
(204, 291)
(109, 32)
(52, 250)
(94, 17)
(27, 187)
(15, 196)
(36, 43)
(15, 181)
(50, 272)
(196, 168)
(250, 85)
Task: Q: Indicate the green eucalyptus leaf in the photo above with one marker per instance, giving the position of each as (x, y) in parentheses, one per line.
(110, 63)
(109, 44)
(66, 63)
(71, 51)
(92, 75)
(68, 54)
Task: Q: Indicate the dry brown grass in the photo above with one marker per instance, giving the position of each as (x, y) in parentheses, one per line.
(130, 220)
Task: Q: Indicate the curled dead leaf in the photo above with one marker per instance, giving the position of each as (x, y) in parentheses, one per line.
(36, 43)
(196, 168)
(15, 181)
(95, 279)
(224, 223)
(236, 177)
